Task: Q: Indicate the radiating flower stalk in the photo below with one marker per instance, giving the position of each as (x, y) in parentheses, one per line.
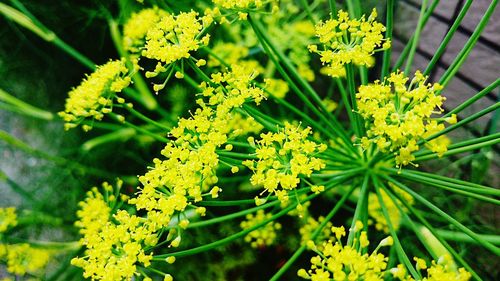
(266, 135)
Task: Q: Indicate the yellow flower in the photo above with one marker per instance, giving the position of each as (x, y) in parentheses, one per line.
(397, 116)
(347, 41)
(174, 38)
(8, 218)
(282, 158)
(263, 236)
(22, 258)
(137, 26)
(95, 95)
(442, 270)
(345, 262)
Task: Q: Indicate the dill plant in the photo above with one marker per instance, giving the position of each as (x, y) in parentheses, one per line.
(295, 122)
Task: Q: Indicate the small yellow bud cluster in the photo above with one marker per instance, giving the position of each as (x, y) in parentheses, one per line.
(282, 158)
(137, 27)
(95, 95)
(23, 259)
(336, 261)
(173, 38)
(8, 218)
(242, 7)
(114, 242)
(264, 236)
(310, 224)
(376, 213)
(442, 270)
(348, 40)
(397, 116)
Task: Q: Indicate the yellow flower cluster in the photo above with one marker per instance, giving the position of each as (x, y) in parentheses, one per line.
(442, 270)
(376, 213)
(282, 158)
(348, 40)
(114, 242)
(397, 116)
(242, 6)
(173, 38)
(336, 261)
(22, 258)
(264, 236)
(137, 26)
(95, 95)
(310, 224)
(8, 218)
(189, 170)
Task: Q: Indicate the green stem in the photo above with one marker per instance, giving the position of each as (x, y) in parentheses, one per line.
(447, 217)
(25, 108)
(442, 47)
(475, 98)
(360, 207)
(459, 150)
(399, 249)
(462, 237)
(406, 50)
(469, 119)
(416, 38)
(120, 135)
(147, 119)
(454, 183)
(431, 229)
(386, 61)
(464, 53)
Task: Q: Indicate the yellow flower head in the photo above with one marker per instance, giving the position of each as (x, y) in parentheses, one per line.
(137, 27)
(174, 38)
(397, 116)
(114, 242)
(442, 270)
(282, 158)
(95, 95)
(336, 261)
(22, 258)
(348, 40)
(264, 236)
(8, 218)
(242, 7)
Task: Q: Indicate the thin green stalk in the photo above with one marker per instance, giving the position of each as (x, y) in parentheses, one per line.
(464, 121)
(459, 150)
(458, 190)
(386, 61)
(464, 53)
(462, 144)
(406, 50)
(140, 129)
(442, 47)
(25, 108)
(333, 8)
(495, 250)
(147, 119)
(399, 249)
(314, 235)
(11, 140)
(354, 8)
(416, 38)
(450, 182)
(308, 11)
(356, 124)
(462, 237)
(28, 21)
(475, 98)
(417, 214)
(359, 208)
(122, 135)
(228, 239)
